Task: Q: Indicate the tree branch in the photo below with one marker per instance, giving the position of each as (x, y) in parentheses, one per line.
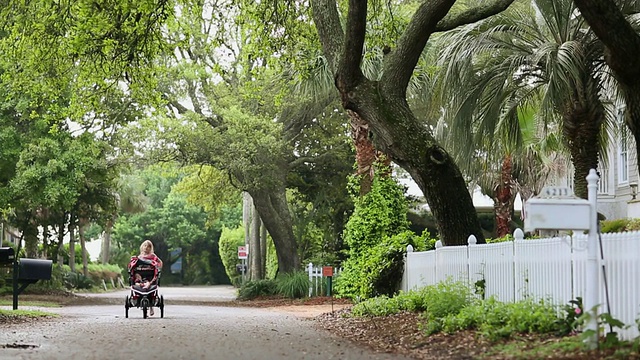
(349, 72)
(327, 20)
(314, 159)
(472, 15)
(400, 62)
(609, 24)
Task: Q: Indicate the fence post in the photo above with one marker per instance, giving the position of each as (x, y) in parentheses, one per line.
(310, 271)
(592, 289)
(404, 283)
(518, 236)
(471, 241)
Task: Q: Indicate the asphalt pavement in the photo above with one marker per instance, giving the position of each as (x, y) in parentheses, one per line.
(186, 332)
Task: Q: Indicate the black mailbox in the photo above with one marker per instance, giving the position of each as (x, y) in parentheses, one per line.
(7, 256)
(34, 269)
(241, 268)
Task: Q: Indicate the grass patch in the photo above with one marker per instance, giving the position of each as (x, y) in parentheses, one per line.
(48, 304)
(15, 314)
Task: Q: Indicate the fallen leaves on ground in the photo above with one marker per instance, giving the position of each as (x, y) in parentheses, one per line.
(401, 333)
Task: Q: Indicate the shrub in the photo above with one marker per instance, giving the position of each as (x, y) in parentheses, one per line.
(74, 280)
(378, 306)
(633, 225)
(435, 300)
(612, 226)
(228, 244)
(495, 320)
(253, 289)
(377, 270)
(293, 285)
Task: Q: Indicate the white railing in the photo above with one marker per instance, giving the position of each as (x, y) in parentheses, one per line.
(317, 282)
(551, 269)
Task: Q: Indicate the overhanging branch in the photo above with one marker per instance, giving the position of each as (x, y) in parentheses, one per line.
(472, 15)
(327, 20)
(349, 69)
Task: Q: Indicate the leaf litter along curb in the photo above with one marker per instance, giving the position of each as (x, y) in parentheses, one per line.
(401, 333)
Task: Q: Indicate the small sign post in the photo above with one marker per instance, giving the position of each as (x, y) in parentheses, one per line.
(327, 271)
(242, 255)
(242, 252)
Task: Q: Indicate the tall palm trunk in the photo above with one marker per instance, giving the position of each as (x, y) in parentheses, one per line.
(622, 44)
(365, 151)
(503, 198)
(582, 122)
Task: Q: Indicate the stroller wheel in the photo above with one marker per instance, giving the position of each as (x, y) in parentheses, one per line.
(145, 307)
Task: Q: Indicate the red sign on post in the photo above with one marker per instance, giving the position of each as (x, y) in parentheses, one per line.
(242, 252)
(327, 271)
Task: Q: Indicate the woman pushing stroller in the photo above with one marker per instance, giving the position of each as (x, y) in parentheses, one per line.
(144, 270)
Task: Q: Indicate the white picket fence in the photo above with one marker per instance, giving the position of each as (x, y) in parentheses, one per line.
(551, 269)
(318, 283)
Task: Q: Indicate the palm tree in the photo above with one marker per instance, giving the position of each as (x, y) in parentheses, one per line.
(539, 56)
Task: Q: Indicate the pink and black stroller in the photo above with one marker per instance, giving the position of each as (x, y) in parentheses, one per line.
(144, 278)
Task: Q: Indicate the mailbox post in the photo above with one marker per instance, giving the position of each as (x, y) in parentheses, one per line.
(24, 271)
(558, 209)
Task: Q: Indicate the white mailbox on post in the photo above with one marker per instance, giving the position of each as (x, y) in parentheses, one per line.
(557, 209)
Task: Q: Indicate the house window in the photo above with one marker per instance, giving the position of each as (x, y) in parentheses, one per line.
(623, 149)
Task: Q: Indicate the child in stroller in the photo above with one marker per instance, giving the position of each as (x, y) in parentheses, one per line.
(144, 276)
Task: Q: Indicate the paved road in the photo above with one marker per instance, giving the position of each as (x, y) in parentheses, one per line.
(182, 293)
(186, 332)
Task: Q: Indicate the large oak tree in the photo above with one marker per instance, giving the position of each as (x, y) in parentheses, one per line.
(382, 102)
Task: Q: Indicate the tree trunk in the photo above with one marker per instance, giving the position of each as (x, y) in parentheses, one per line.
(31, 241)
(504, 198)
(106, 240)
(581, 127)
(622, 45)
(365, 152)
(83, 247)
(263, 249)
(255, 249)
(273, 209)
(408, 143)
(72, 244)
(58, 253)
(247, 204)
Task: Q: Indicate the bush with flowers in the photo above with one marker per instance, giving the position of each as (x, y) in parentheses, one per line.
(572, 319)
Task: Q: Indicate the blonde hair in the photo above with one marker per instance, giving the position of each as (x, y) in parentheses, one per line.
(146, 247)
